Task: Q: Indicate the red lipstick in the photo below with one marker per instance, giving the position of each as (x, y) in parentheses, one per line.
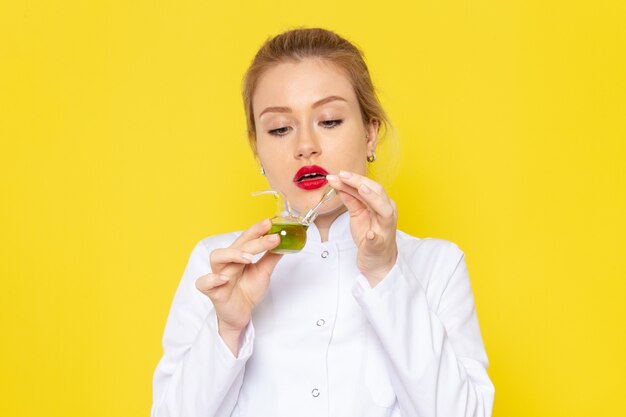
(310, 177)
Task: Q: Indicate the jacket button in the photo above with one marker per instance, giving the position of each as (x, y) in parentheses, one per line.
(325, 254)
(320, 322)
(315, 392)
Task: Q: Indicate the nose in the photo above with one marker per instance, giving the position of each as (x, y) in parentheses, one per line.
(307, 145)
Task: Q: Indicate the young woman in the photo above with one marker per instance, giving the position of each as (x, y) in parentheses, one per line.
(365, 320)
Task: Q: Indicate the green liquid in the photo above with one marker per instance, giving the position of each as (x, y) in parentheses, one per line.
(292, 237)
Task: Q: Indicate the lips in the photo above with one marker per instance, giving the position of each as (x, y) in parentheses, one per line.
(310, 177)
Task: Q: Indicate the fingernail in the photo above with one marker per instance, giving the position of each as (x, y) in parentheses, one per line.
(273, 238)
(247, 256)
(223, 278)
(371, 235)
(332, 178)
(345, 174)
(365, 189)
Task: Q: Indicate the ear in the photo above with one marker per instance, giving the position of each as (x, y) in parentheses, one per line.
(372, 129)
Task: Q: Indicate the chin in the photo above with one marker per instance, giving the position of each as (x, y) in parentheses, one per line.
(302, 201)
(332, 207)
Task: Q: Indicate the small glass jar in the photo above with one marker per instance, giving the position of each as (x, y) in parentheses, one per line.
(292, 234)
(291, 229)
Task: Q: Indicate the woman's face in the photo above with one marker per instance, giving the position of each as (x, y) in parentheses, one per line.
(308, 121)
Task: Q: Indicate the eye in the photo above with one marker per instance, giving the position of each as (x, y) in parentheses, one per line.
(281, 131)
(329, 124)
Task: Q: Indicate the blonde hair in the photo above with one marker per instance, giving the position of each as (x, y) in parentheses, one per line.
(299, 44)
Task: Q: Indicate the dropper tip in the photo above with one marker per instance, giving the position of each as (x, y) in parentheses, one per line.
(311, 214)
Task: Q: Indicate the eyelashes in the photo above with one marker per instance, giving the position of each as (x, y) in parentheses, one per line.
(326, 124)
(281, 131)
(329, 124)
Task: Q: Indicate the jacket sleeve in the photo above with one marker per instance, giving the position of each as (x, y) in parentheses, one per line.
(424, 317)
(197, 375)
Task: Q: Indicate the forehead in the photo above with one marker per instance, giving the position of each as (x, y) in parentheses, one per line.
(299, 84)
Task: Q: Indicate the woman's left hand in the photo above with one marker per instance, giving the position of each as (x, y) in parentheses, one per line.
(373, 219)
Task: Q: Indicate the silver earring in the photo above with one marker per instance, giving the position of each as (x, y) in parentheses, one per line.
(371, 158)
(262, 170)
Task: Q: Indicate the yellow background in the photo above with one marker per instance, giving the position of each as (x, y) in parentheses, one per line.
(123, 144)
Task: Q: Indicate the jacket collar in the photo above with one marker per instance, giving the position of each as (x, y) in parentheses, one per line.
(339, 232)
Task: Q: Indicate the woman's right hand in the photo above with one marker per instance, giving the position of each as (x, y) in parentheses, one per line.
(236, 284)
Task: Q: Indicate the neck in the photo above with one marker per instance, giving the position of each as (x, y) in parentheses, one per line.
(323, 222)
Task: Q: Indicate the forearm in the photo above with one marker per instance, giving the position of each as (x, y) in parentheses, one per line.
(429, 376)
(231, 337)
(204, 379)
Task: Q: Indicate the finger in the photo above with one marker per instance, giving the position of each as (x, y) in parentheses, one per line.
(353, 204)
(379, 203)
(210, 281)
(356, 180)
(261, 244)
(374, 240)
(338, 185)
(378, 248)
(268, 262)
(253, 232)
(221, 257)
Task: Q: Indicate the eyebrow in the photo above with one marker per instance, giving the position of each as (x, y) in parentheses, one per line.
(316, 104)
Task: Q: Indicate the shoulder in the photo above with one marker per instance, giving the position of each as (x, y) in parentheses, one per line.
(431, 248)
(199, 258)
(211, 243)
(431, 260)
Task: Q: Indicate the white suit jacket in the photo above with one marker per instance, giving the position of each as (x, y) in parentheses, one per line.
(324, 343)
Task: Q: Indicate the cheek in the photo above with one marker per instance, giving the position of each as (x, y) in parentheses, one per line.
(271, 147)
(274, 165)
(265, 153)
(351, 155)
